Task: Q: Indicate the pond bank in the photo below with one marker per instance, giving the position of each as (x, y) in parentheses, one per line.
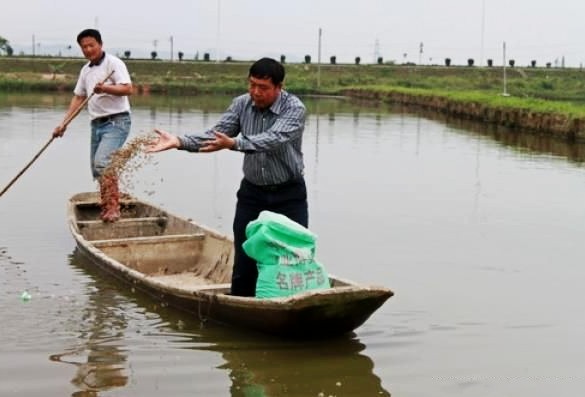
(559, 125)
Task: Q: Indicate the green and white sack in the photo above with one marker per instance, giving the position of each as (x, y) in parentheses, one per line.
(285, 253)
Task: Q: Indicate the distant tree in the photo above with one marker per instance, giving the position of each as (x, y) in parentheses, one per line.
(333, 59)
(282, 59)
(228, 59)
(533, 63)
(5, 47)
(511, 62)
(56, 69)
(206, 57)
(153, 55)
(447, 61)
(490, 63)
(127, 54)
(548, 65)
(470, 62)
(380, 60)
(307, 59)
(181, 55)
(357, 60)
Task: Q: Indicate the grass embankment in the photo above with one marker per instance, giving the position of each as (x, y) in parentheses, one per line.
(541, 99)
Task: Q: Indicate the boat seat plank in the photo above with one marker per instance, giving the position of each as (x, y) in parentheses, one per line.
(92, 202)
(122, 221)
(96, 229)
(130, 227)
(171, 238)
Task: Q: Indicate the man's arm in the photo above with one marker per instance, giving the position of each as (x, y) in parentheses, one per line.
(113, 89)
(221, 135)
(120, 81)
(76, 101)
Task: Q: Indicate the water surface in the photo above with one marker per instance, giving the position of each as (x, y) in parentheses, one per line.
(476, 230)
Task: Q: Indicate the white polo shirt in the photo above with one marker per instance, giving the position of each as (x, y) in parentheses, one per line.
(101, 105)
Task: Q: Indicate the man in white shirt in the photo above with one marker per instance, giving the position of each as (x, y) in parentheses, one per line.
(109, 111)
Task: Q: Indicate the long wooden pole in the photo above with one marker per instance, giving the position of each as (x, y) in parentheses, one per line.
(65, 123)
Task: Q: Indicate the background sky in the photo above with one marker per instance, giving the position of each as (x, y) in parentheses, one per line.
(543, 30)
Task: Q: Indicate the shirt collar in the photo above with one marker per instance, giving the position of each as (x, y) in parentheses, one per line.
(276, 105)
(99, 61)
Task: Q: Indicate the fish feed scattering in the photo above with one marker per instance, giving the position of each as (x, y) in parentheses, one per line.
(127, 160)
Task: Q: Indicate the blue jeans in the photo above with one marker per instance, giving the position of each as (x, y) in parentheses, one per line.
(108, 134)
(289, 199)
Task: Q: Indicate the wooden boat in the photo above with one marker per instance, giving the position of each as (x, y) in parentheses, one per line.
(188, 266)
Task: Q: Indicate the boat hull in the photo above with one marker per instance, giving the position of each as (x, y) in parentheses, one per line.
(188, 266)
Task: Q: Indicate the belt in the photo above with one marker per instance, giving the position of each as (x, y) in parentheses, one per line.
(275, 187)
(105, 119)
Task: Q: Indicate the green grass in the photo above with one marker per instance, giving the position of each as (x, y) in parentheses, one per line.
(539, 89)
(492, 99)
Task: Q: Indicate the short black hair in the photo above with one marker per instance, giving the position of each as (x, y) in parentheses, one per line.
(89, 33)
(267, 68)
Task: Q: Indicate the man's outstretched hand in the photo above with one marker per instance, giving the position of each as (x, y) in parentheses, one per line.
(164, 142)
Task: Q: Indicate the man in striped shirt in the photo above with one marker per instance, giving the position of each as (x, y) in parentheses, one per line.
(267, 125)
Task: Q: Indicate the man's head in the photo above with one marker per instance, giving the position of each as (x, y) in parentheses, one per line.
(265, 82)
(90, 41)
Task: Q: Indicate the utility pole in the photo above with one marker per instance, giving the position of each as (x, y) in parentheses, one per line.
(319, 61)
(33, 45)
(218, 30)
(482, 30)
(171, 40)
(505, 93)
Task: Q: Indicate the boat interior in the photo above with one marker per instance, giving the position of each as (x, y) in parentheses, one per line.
(163, 247)
(157, 244)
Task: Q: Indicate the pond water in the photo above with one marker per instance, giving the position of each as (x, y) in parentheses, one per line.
(477, 230)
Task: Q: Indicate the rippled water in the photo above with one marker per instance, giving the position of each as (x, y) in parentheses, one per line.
(478, 231)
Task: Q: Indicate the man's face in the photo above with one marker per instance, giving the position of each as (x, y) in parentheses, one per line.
(263, 91)
(92, 50)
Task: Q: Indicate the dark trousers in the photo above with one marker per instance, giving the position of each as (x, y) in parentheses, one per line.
(288, 199)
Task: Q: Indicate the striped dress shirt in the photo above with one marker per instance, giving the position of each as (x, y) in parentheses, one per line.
(271, 139)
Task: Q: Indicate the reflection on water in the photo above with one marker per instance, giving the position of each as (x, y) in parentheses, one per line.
(102, 370)
(175, 106)
(257, 365)
(99, 357)
(514, 139)
(332, 368)
(165, 104)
